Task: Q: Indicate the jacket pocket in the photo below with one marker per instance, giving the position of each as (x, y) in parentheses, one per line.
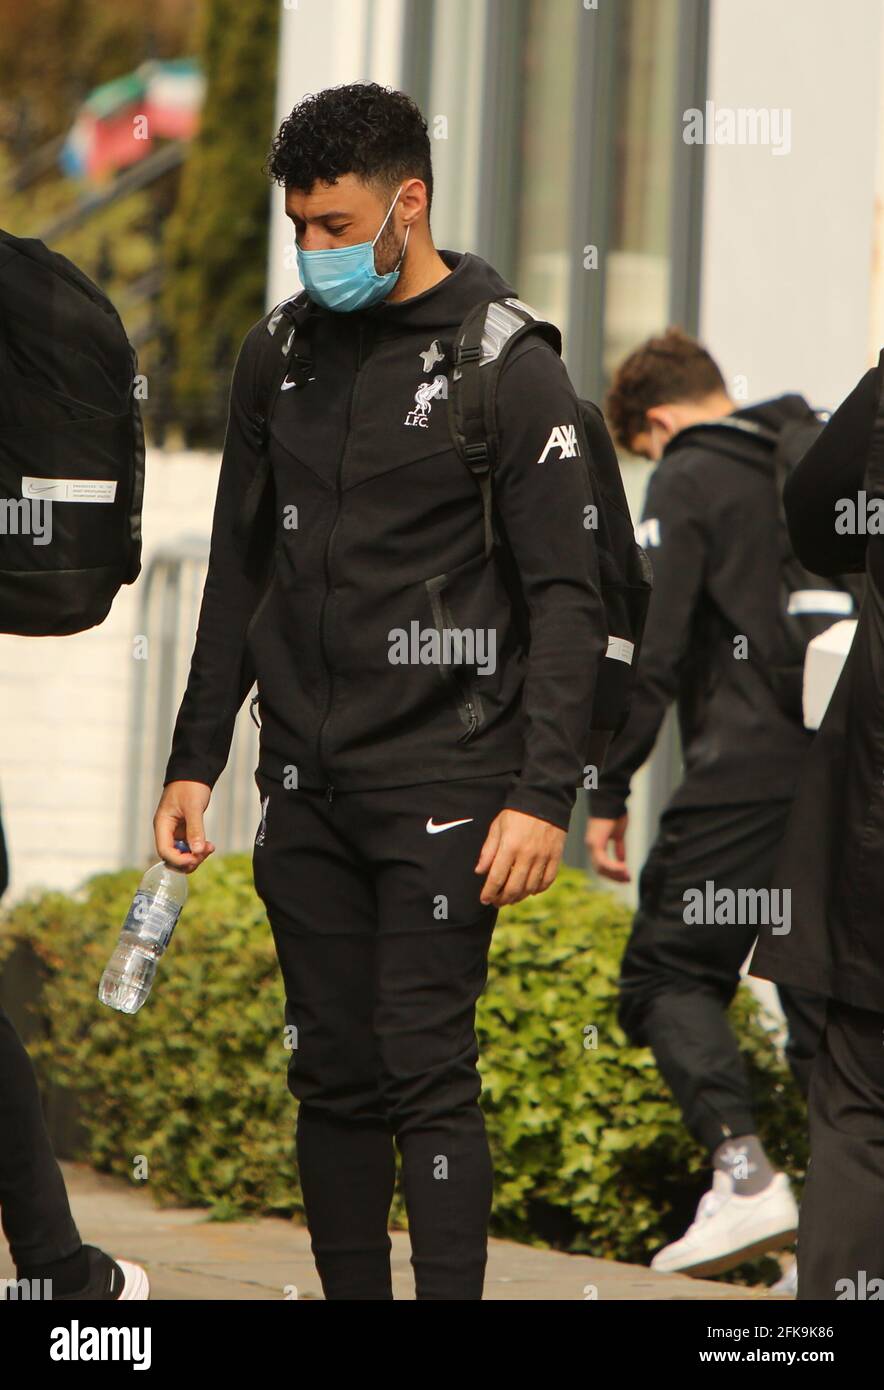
(455, 673)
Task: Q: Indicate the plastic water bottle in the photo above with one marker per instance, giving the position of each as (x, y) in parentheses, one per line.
(146, 933)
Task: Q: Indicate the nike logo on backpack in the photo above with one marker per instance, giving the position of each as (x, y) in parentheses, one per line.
(433, 829)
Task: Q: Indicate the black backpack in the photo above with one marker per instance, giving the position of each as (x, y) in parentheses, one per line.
(481, 345)
(70, 436)
(807, 603)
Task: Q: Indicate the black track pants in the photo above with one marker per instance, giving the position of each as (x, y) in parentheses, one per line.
(841, 1235)
(677, 979)
(383, 946)
(36, 1217)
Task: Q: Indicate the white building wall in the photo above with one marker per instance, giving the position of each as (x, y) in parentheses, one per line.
(788, 295)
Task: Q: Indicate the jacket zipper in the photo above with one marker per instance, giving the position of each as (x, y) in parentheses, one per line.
(462, 682)
(474, 720)
(263, 424)
(328, 547)
(463, 688)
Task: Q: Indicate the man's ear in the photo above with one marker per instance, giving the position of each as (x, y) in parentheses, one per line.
(664, 416)
(413, 199)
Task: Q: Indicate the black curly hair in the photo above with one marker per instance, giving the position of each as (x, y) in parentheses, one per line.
(361, 128)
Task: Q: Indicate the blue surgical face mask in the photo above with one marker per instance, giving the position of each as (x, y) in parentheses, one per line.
(344, 278)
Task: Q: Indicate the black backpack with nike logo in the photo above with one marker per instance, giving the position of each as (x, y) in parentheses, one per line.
(481, 345)
(71, 446)
(807, 604)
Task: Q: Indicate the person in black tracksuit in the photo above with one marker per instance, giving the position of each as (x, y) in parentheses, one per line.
(403, 799)
(832, 862)
(710, 525)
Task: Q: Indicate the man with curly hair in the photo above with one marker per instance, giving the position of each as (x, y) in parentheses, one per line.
(410, 786)
(712, 527)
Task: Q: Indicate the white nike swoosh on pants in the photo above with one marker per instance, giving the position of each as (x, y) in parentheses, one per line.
(448, 825)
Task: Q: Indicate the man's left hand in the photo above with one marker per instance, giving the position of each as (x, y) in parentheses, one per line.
(521, 856)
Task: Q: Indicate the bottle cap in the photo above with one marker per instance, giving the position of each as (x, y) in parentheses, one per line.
(182, 845)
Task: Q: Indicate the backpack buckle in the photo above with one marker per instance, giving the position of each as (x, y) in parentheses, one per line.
(467, 354)
(298, 370)
(476, 453)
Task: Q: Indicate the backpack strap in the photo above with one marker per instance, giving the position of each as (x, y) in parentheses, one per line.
(481, 344)
(283, 355)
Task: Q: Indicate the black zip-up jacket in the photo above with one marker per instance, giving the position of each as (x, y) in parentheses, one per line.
(378, 546)
(832, 859)
(710, 525)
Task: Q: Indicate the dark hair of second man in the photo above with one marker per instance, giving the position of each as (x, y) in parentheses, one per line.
(673, 367)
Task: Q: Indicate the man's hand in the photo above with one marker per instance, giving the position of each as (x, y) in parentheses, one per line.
(521, 856)
(599, 833)
(179, 816)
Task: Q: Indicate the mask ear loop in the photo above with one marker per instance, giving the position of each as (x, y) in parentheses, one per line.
(404, 244)
(386, 220)
(389, 212)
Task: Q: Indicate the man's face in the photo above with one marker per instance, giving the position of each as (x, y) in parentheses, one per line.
(345, 213)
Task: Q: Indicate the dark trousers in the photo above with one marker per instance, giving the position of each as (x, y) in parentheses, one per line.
(34, 1208)
(383, 946)
(678, 978)
(841, 1235)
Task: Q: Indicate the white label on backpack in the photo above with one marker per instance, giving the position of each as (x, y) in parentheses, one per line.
(620, 649)
(819, 601)
(70, 489)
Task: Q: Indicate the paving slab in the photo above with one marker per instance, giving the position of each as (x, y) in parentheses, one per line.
(189, 1257)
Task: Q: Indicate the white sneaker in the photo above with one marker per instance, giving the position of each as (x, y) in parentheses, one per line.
(729, 1229)
(788, 1284)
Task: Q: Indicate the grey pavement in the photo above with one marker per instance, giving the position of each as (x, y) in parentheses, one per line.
(188, 1257)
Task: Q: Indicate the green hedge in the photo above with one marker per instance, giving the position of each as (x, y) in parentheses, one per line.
(589, 1150)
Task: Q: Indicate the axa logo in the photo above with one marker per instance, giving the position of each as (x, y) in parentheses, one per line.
(563, 438)
(426, 393)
